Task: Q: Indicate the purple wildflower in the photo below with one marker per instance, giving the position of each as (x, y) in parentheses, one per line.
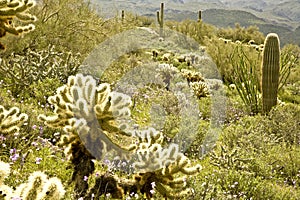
(85, 178)
(38, 160)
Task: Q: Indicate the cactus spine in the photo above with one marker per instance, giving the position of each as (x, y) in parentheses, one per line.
(270, 72)
(160, 18)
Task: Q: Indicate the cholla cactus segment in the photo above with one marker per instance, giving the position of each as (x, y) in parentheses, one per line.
(162, 165)
(52, 190)
(11, 120)
(200, 89)
(4, 171)
(149, 136)
(15, 9)
(6, 192)
(192, 76)
(33, 187)
(39, 187)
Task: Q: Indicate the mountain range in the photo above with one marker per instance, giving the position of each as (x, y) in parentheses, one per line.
(280, 16)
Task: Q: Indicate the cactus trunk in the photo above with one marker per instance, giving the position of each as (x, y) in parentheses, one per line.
(160, 18)
(270, 72)
(199, 16)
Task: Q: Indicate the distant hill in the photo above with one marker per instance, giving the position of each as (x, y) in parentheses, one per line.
(280, 16)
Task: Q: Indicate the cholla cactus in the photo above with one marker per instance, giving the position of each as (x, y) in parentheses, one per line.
(167, 72)
(90, 113)
(192, 76)
(5, 191)
(10, 9)
(200, 89)
(159, 167)
(33, 187)
(38, 186)
(92, 116)
(196, 82)
(11, 120)
(52, 189)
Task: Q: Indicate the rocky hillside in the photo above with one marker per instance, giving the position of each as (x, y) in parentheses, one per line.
(280, 16)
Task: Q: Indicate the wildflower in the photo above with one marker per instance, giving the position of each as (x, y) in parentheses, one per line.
(152, 191)
(14, 155)
(13, 151)
(2, 138)
(153, 185)
(38, 160)
(35, 144)
(41, 130)
(34, 127)
(108, 195)
(85, 178)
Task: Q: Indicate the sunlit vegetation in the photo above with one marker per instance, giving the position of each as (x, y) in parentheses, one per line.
(61, 129)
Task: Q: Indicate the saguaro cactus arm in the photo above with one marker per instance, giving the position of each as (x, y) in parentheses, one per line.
(270, 72)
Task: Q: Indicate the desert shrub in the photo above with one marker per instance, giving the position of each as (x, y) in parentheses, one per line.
(243, 34)
(19, 71)
(256, 157)
(220, 53)
(71, 25)
(198, 30)
(290, 93)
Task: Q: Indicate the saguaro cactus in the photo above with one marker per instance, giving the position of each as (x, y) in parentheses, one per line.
(160, 18)
(123, 15)
(270, 72)
(199, 15)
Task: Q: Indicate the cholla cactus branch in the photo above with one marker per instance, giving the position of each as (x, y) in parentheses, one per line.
(15, 9)
(11, 120)
(159, 165)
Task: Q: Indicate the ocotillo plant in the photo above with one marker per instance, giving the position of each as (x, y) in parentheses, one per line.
(160, 18)
(270, 72)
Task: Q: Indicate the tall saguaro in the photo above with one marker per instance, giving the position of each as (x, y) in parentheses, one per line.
(270, 72)
(199, 15)
(160, 18)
